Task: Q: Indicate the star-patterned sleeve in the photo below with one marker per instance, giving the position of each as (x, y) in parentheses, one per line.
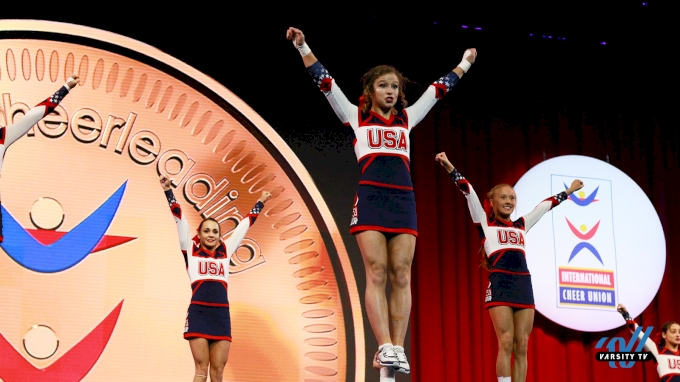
(15, 131)
(344, 109)
(181, 221)
(541, 209)
(434, 93)
(474, 205)
(234, 241)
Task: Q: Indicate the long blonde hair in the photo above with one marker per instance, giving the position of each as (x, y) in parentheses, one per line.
(488, 208)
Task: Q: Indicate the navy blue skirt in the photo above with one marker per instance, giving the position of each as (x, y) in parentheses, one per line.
(383, 209)
(510, 289)
(210, 322)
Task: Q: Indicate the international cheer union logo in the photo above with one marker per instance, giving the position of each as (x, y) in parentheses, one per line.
(590, 252)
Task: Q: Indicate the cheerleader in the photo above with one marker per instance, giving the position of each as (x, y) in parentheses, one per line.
(666, 352)
(206, 256)
(509, 297)
(384, 213)
(9, 134)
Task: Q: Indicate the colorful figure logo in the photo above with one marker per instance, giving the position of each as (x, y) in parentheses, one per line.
(51, 251)
(583, 282)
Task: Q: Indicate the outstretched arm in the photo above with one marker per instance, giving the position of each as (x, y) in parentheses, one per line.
(632, 325)
(543, 207)
(439, 89)
(344, 109)
(180, 220)
(15, 131)
(476, 210)
(233, 242)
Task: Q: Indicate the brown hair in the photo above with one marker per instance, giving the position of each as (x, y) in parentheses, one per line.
(490, 216)
(664, 329)
(211, 220)
(368, 81)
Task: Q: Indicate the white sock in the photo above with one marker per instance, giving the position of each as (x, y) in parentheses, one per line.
(380, 348)
(395, 347)
(504, 379)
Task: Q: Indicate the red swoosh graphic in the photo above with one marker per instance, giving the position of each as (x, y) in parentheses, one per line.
(583, 236)
(47, 237)
(72, 366)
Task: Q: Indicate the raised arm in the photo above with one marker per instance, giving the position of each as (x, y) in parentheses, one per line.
(439, 89)
(548, 204)
(343, 108)
(233, 242)
(476, 210)
(15, 131)
(181, 221)
(650, 346)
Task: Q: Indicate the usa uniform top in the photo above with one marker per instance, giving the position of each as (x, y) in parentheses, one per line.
(209, 271)
(382, 145)
(11, 133)
(667, 361)
(504, 243)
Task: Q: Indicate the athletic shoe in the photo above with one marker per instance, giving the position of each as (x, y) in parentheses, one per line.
(403, 367)
(388, 357)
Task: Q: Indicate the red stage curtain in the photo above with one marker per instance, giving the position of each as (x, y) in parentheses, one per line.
(452, 335)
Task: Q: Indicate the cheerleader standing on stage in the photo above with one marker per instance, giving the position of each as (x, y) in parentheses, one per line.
(666, 353)
(9, 134)
(384, 213)
(206, 256)
(509, 297)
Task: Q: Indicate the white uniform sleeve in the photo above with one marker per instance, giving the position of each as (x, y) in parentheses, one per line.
(650, 346)
(541, 209)
(476, 209)
(182, 223)
(234, 241)
(433, 93)
(344, 109)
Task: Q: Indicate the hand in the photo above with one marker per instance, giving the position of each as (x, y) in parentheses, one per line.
(265, 196)
(470, 57)
(376, 365)
(72, 81)
(444, 161)
(295, 35)
(165, 182)
(575, 186)
(621, 308)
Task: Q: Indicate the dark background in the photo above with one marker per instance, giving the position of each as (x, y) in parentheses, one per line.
(612, 56)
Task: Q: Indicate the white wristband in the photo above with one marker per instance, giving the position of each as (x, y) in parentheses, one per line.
(303, 49)
(465, 64)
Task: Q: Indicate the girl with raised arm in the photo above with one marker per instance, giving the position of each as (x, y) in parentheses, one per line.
(9, 134)
(384, 214)
(509, 297)
(206, 256)
(666, 350)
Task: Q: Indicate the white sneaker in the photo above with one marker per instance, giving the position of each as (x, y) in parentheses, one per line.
(403, 367)
(388, 357)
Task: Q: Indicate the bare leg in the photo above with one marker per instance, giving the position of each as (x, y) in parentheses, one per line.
(502, 319)
(400, 251)
(524, 322)
(373, 247)
(201, 353)
(219, 352)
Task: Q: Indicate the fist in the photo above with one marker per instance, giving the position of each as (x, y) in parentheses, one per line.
(165, 182)
(576, 185)
(470, 55)
(621, 308)
(444, 161)
(296, 36)
(265, 196)
(73, 80)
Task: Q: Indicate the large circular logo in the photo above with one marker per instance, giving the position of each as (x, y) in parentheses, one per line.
(91, 249)
(601, 247)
